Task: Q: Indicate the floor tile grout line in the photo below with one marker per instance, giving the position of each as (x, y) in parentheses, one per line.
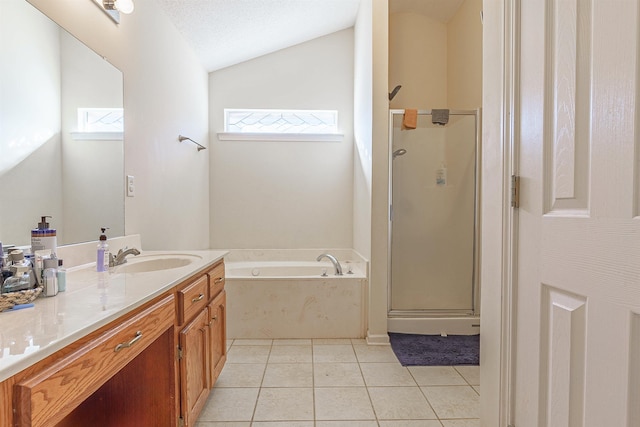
(465, 378)
(313, 385)
(373, 408)
(264, 372)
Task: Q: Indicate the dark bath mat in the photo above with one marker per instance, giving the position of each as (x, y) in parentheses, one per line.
(436, 350)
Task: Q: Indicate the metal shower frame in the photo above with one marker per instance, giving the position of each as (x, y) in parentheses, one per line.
(475, 289)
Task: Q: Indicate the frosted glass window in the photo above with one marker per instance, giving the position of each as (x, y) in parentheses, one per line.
(281, 121)
(100, 120)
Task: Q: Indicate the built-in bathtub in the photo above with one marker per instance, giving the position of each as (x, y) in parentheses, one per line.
(288, 294)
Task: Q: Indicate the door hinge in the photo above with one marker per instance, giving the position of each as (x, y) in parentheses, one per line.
(179, 353)
(515, 191)
(180, 422)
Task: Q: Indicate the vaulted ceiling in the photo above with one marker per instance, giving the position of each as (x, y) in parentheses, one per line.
(227, 32)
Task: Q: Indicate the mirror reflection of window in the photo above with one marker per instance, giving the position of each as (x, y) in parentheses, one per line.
(100, 120)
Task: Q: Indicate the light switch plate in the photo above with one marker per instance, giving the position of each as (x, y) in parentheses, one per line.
(131, 187)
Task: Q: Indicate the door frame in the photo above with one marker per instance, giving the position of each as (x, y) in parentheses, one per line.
(499, 221)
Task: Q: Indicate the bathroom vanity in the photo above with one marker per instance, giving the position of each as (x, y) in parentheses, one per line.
(142, 346)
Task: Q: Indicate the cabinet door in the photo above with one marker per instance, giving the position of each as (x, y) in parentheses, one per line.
(194, 372)
(217, 335)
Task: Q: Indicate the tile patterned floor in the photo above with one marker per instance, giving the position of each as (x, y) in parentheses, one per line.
(337, 383)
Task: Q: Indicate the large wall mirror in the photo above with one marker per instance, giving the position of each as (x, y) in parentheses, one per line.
(61, 140)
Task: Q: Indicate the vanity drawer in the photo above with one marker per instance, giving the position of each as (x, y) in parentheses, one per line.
(50, 395)
(192, 298)
(216, 279)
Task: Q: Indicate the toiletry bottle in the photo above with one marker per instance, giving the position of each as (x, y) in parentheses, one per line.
(50, 282)
(102, 260)
(38, 265)
(43, 237)
(62, 277)
(51, 261)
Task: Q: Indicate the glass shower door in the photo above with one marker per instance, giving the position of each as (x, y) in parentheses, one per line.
(433, 226)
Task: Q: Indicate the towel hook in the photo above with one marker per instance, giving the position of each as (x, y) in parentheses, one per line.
(185, 138)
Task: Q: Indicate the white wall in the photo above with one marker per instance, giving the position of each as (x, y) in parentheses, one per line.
(377, 332)
(30, 172)
(363, 75)
(417, 61)
(284, 194)
(464, 57)
(493, 269)
(438, 65)
(165, 94)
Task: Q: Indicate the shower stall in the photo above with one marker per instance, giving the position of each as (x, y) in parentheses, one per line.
(433, 233)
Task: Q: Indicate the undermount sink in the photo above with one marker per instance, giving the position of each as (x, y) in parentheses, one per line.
(149, 263)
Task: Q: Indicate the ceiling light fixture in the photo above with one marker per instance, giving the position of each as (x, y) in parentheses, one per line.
(124, 6)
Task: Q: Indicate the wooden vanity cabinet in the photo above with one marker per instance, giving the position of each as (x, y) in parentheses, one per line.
(154, 366)
(47, 397)
(202, 340)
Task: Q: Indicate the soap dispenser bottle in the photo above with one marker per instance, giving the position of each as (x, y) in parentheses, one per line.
(43, 237)
(102, 260)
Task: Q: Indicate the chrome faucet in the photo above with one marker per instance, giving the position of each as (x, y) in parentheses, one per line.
(336, 263)
(121, 258)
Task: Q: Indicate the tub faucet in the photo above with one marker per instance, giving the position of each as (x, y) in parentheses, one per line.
(121, 258)
(336, 263)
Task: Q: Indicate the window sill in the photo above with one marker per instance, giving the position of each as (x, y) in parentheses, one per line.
(239, 136)
(97, 136)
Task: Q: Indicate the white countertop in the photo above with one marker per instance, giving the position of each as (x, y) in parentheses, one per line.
(29, 335)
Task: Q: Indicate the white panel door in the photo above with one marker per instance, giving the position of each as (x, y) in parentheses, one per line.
(577, 296)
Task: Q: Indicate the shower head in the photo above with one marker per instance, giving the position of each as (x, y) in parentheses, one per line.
(399, 152)
(394, 92)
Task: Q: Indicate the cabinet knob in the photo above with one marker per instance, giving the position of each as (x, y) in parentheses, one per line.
(198, 298)
(218, 280)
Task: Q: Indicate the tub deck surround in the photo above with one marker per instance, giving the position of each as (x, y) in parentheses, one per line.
(281, 294)
(30, 335)
(293, 270)
(307, 255)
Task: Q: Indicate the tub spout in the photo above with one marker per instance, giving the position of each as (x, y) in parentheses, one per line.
(336, 263)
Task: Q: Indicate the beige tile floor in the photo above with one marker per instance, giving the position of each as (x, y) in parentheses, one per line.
(337, 383)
